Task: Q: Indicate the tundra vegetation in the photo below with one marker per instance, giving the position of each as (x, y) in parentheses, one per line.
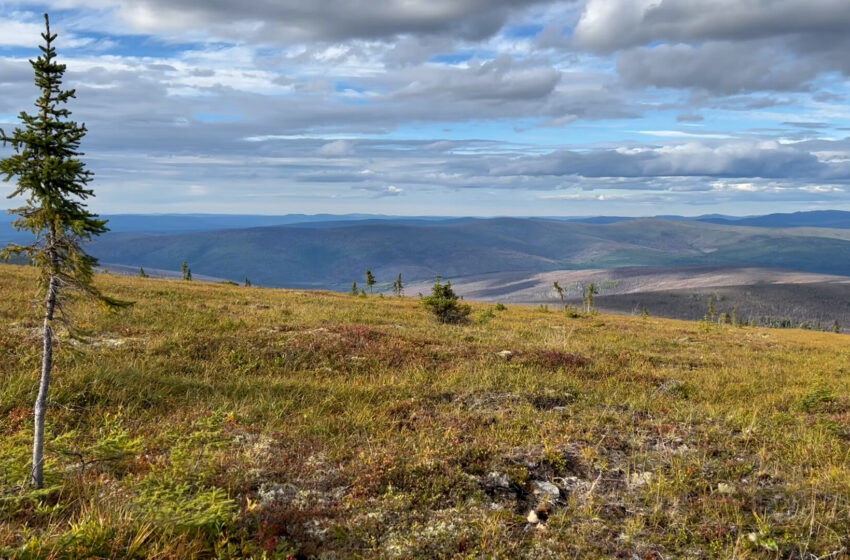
(213, 421)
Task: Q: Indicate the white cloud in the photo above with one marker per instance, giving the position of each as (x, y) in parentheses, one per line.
(337, 148)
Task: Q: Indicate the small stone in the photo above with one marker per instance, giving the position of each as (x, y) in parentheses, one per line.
(547, 490)
(532, 517)
(640, 479)
(724, 488)
(497, 480)
(673, 388)
(569, 483)
(505, 354)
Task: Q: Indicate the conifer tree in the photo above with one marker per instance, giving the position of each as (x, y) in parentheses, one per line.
(445, 304)
(398, 286)
(187, 272)
(589, 304)
(354, 291)
(560, 291)
(370, 280)
(142, 273)
(247, 282)
(54, 181)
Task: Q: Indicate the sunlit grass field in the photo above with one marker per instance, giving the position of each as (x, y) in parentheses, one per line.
(214, 421)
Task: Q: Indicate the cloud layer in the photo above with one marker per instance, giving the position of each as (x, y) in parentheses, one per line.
(450, 107)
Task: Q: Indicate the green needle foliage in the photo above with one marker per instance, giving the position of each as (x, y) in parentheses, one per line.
(398, 286)
(559, 290)
(445, 304)
(54, 181)
(370, 280)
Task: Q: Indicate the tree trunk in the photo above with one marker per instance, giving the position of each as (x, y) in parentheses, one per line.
(44, 384)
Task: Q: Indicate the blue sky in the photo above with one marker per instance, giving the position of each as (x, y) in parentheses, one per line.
(450, 107)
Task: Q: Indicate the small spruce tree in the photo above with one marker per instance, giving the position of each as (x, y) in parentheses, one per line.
(142, 273)
(444, 303)
(247, 282)
(560, 291)
(370, 280)
(354, 291)
(54, 181)
(187, 272)
(398, 286)
(589, 303)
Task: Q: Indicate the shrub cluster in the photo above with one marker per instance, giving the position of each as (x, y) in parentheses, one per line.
(445, 304)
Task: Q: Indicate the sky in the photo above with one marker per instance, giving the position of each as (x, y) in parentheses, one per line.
(449, 107)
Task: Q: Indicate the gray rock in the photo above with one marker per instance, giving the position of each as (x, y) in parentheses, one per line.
(497, 480)
(546, 490)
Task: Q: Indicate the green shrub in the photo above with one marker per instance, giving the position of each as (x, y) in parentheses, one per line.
(177, 507)
(445, 304)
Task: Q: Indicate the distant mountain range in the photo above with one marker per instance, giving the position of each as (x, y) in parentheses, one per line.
(328, 251)
(333, 256)
(177, 223)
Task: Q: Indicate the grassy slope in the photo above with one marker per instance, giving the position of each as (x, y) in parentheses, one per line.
(214, 421)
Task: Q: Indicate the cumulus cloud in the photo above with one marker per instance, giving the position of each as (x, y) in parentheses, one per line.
(724, 46)
(337, 148)
(610, 25)
(492, 80)
(326, 20)
(721, 67)
(766, 160)
(504, 99)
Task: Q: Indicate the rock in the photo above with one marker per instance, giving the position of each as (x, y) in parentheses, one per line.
(724, 488)
(640, 479)
(674, 388)
(547, 490)
(570, 483)
(497, 480)
(505, 354)
(532, 517)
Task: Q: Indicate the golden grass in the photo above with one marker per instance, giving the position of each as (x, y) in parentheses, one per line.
(214, 421)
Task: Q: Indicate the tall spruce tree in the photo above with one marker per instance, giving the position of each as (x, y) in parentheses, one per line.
(54, 181)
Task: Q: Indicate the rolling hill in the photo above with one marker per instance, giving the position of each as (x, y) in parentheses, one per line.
(333, 257)
(815, 218)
